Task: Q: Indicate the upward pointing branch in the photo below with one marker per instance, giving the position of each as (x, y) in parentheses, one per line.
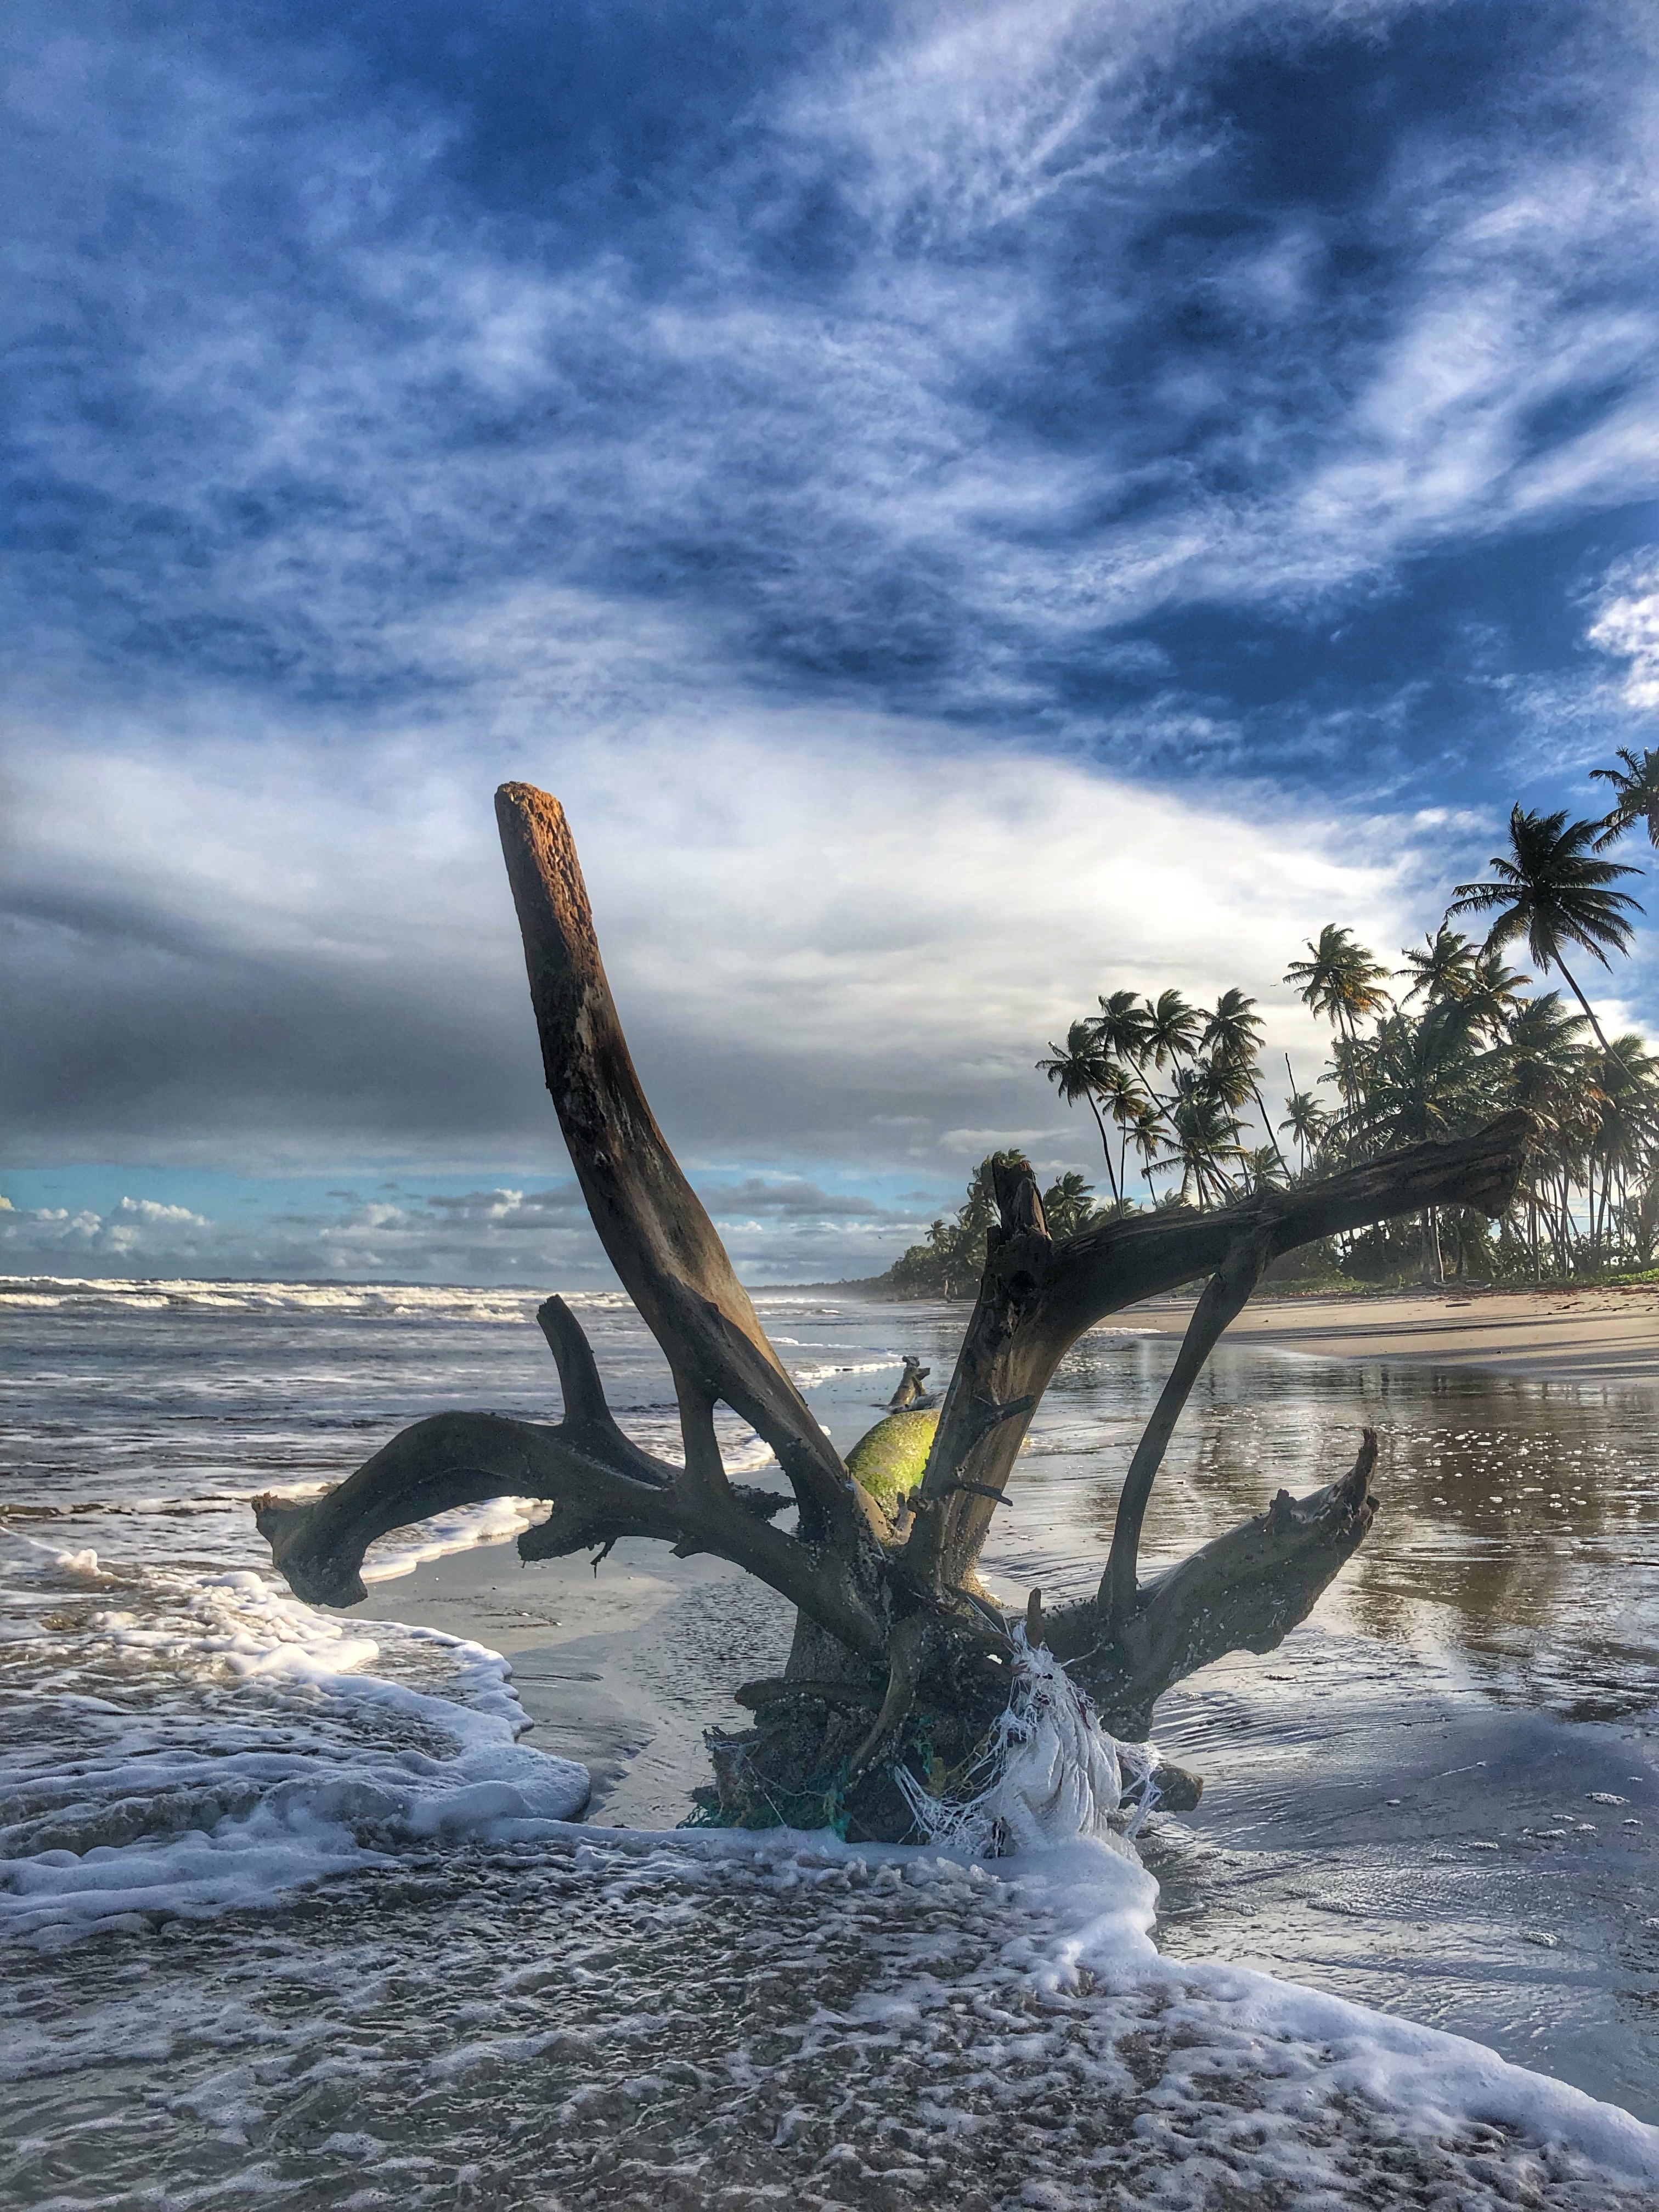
(651, 1222)
(1223, 1299)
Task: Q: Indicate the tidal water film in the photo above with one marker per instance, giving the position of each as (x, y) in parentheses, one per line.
(389, 1908)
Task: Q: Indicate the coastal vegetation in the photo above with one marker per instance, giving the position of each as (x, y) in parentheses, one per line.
(903, 1659)
(1435, 1047)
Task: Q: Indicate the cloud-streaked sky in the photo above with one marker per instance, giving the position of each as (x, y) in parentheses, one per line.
(968, 506)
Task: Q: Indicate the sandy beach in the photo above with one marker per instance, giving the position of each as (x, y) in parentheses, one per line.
(623, 1670)
(1591, 1335)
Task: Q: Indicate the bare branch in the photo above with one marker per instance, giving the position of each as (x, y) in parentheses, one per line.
(1222, 1298)
(1102, 1270)
(651, 1222)
(448, 1460)
(1244, 1591)
(1032, 1308)
(978, 1404)
(602, 1487)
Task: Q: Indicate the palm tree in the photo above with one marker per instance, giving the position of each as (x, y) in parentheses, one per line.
(1202, 1133)
(1343, 982)
(1545, 1061)
(1305, 1119)
(1638, 1219)
(1068, 1205)
(1549, 890)
(1147, 1136)
(1497, 994)
(1232, 1036)
(1446, 969)
(1544, 1052)
(1172, 1029)
(1124, 1096)
(1624, 1081)
(1120, 1028)
(1078, 1071)
(1470, 1037)
(1264, 1169)
(1424, 1082)
(1637, 788)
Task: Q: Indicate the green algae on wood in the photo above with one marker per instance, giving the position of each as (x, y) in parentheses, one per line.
(890, 1460)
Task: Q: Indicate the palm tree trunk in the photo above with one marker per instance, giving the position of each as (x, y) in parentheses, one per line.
(1261, 1107)
(1105, 1144)
(1589, 1016)
(1433, 1268)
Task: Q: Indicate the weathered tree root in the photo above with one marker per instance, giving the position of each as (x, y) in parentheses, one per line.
(890, 1616)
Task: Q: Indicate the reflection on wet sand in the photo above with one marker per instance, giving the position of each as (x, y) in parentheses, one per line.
(1441, 1795)
(1520, 1520)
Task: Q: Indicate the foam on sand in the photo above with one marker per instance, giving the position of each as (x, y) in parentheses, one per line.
(208, 1742)
(706, 2019)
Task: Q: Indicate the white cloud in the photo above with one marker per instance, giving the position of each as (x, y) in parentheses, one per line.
(133, 1229)
(832, 936)
(820, 447)
(1626, 626)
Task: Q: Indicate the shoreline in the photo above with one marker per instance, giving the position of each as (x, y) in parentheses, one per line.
(1598, 1334)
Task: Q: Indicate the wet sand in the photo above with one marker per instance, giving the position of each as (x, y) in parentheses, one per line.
(622, 1671)
(1591, 1335)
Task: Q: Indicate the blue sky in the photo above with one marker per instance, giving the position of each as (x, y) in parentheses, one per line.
(968, 506)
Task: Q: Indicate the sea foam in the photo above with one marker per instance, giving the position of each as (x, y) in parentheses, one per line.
(207, 1742)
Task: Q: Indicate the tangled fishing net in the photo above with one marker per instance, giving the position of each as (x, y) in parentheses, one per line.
(1048, 1771)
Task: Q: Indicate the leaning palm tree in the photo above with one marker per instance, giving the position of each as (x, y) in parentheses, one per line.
(1636, 785)
(1547, 889)
(1076, 1070)
(1341, 980)
(1120, 1027)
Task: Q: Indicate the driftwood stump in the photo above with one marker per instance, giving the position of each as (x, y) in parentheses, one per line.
(900, 1657)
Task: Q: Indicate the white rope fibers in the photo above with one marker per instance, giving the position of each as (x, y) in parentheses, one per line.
(1048, 1772)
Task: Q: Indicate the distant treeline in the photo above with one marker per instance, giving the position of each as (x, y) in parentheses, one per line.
(1467, 1038)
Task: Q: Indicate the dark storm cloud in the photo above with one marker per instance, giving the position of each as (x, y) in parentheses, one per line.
(116, 1033)
(323, 969)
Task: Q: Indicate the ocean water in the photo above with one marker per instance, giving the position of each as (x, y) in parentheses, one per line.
(297, 1908)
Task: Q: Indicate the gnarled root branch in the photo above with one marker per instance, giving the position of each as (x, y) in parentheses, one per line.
(446, 1461)
(1244, 1591)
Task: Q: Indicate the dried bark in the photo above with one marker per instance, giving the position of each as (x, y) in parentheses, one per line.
(893, 1620)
